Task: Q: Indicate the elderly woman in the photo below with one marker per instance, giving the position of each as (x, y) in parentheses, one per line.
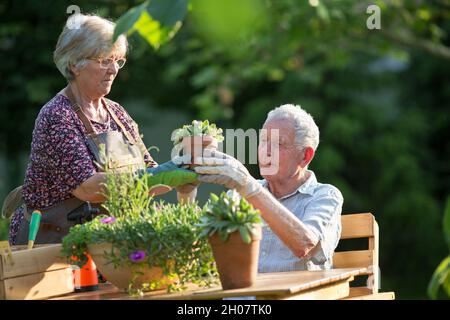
(65, 170)
(302, 215)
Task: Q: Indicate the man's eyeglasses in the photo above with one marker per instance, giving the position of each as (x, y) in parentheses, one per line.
(106, 63)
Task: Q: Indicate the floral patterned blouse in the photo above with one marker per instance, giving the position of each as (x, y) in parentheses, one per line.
(60, 159)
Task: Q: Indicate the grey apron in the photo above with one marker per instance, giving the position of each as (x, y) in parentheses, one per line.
(122, 151)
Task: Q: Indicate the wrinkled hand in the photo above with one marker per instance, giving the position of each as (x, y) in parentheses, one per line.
(220, 168)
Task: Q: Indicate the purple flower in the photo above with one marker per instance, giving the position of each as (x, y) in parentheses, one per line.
(108, 220)
(137, 256)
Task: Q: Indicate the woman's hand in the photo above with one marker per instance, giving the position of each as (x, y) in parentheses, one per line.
(159, 190)
(92, 189)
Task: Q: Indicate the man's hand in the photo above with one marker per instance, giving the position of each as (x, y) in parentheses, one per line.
(220, 168)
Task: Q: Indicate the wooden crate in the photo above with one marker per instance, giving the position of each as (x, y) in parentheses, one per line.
(35, 274)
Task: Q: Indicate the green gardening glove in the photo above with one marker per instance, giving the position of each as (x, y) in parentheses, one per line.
(169, 174)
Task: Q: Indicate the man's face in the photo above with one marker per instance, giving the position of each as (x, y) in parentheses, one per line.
(289, 156)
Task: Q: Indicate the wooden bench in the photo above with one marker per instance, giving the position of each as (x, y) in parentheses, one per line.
(359, 226)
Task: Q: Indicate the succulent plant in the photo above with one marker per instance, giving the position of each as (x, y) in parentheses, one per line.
(228, 213)
(197, 128)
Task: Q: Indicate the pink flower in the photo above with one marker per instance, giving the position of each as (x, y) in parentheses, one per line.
(137, 256)
(108, 220)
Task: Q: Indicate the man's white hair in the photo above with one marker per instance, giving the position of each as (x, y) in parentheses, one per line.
(306, 130)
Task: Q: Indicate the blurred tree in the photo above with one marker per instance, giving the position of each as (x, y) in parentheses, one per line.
(380, 97)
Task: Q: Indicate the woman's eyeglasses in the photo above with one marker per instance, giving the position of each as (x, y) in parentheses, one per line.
(106, 63)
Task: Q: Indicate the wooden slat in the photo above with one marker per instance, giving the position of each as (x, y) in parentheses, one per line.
(331, 291)
(106, 291)
(373, 282)
(25, 246)
(358, 225)
(354, 259)
(2, 290)
(375, 296)
(37, 260)
(359, 291)
(39, 286)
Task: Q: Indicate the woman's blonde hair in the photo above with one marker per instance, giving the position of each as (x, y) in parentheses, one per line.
(86, 36)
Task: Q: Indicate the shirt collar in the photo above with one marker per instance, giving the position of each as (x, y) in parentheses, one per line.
(307, 187)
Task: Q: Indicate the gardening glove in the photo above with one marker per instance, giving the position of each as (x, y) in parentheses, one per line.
(220, 168)
(169, 174)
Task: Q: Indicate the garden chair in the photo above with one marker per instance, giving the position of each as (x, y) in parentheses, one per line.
(359, 226)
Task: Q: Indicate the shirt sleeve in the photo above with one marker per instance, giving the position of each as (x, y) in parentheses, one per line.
(323, 218)
(68, 156)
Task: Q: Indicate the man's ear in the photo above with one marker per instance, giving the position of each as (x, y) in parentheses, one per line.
(308, 155)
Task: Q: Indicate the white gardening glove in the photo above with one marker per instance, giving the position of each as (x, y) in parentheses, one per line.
(220, 168)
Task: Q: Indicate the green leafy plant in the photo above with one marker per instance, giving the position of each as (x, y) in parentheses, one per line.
(157, 21)
(145, 233)
(197, 128)
(226, 214)
(441, 276)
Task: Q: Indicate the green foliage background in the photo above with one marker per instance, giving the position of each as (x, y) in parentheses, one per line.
(380, 98)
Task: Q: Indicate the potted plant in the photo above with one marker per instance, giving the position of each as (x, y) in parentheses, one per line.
(194, 138)
(143, 245)
(233, 228)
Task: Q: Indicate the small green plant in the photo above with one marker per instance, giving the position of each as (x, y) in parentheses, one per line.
(197, 128)
(226, 214)
(441, 276)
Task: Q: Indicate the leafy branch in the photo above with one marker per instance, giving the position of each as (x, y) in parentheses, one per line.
(157, 21)
(441, 276)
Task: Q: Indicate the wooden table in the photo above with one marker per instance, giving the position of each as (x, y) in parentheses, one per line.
(321, 285)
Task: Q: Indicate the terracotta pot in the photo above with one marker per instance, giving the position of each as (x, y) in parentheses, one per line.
(237, 261)
(195, 145)
(121, 276)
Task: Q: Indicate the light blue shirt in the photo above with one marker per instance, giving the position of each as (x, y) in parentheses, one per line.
(319, 207)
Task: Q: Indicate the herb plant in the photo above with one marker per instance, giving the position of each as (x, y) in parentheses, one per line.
(144, 232)
(226, 214)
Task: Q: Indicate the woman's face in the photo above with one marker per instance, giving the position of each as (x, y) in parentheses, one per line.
(97, 77)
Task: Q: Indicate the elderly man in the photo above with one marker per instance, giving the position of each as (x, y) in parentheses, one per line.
(302, 216)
